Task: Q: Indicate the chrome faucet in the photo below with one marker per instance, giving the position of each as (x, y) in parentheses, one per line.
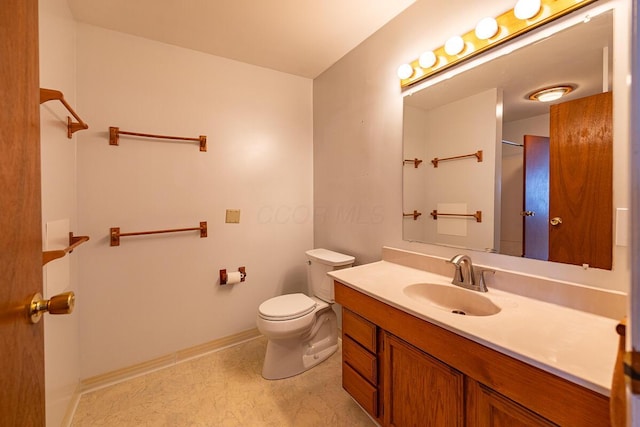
(465, 276)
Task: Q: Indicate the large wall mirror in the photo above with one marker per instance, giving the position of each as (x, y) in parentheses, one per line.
(517, 176)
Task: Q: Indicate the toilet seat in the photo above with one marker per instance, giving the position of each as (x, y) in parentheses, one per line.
(286, 307)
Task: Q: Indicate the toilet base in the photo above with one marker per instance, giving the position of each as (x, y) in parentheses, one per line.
(292, 356)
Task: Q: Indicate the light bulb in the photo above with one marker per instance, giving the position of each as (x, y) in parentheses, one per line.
(486, 28)
(526, 9)
(427, 59)
(454, 45)
(405, 71)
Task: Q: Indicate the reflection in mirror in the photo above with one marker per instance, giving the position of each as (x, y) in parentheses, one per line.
(544, 182)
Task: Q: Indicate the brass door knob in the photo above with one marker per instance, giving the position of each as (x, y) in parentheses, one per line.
(58, 304)
(555, 221)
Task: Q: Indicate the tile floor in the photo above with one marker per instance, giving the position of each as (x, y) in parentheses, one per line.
(224, 388)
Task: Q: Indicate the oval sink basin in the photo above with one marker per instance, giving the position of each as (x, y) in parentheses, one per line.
(453, 299)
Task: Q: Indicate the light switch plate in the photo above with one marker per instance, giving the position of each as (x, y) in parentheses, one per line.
(233, 216)
(622, 227)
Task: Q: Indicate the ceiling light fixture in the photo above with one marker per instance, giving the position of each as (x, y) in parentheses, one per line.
(549, 94)
(489, 33)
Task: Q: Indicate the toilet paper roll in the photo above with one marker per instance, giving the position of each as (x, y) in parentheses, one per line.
(233, 277)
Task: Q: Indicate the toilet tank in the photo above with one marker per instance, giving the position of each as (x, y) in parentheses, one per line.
(320, 262)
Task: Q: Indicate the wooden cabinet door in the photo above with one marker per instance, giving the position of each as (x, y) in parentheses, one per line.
(488, 408)
(419, 390)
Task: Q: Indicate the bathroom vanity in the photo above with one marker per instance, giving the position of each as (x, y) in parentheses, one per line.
(410, 361)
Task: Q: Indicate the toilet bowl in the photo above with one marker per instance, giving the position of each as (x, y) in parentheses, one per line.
(302, 330)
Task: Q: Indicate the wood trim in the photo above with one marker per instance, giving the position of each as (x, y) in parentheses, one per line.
(554, 398)
(618, 405)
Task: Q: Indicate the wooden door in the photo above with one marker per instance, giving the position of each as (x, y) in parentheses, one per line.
(419, 390)
(581, 182)
(22, 394)
(535, 215)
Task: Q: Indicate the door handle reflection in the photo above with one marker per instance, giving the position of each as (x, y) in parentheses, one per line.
(555, 221)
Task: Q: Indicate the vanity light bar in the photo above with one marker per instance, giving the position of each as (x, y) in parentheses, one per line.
(508, 27)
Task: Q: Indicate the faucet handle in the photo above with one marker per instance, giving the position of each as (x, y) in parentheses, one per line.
(483, 280)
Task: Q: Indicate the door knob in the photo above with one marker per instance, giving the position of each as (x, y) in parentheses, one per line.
(555, 221)
(58, 304)
(528, 213)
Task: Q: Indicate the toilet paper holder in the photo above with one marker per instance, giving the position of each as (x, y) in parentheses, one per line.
(224, 277)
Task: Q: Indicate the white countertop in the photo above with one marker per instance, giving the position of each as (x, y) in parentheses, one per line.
(575, 345)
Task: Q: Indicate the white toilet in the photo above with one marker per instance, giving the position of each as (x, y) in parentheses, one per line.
(302, 331)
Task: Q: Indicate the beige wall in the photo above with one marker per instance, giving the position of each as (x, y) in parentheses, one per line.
(414, 185)
(59, 202)
(154, 295)
(358, 141)
(460, 127)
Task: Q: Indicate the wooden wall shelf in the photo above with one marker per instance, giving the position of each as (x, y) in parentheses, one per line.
(416, 162)
(74, 242)
(415, 214)
(51, 94)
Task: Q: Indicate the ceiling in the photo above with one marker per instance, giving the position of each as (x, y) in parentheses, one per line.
(300, 37)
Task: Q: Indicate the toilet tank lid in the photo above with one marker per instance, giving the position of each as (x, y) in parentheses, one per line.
(328, 257)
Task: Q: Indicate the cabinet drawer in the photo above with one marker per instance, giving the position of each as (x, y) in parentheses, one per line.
(359, 329)
(360, 359)
(360, 389)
